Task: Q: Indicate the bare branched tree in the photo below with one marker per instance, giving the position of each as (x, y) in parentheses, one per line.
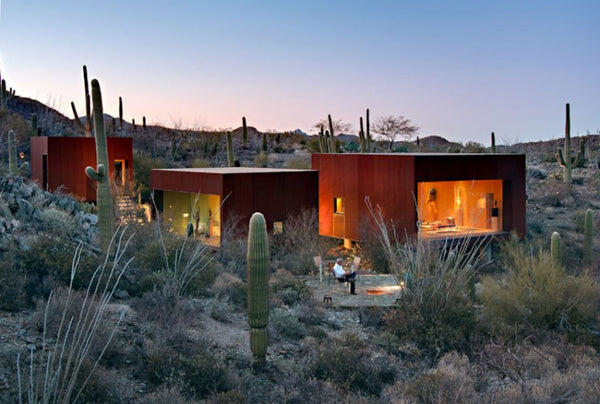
(339, 126)
(391, 127)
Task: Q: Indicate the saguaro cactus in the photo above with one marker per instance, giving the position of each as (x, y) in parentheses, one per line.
(13, 165)
(332, 138)
(588, 234)
(564, 159)
(368, 133)
(244, 132)
(120, 113)
(102, 174)
(257, 260)
(556, 249)
(230, 161)
(3, 95)
(493, 142)
(361, 136)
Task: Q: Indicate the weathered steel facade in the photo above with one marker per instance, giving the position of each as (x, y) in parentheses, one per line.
(237, 193)
(59, 162)
(390, 181)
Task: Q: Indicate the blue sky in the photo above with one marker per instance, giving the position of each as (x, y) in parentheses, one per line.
(458, 69)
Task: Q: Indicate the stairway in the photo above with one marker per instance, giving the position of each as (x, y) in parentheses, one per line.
(125, 209)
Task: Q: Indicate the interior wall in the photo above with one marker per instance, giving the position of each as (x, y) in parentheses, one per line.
(466, 203)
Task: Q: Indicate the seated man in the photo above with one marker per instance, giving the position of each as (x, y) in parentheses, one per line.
(340, 274)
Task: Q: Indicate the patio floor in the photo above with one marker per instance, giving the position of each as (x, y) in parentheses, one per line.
(371, 290)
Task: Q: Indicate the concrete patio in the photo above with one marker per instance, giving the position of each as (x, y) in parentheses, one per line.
(371, 290)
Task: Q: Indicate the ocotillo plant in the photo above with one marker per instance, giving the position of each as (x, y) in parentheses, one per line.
(564, 159)
(244, 132)
(230, 161)
(588, 233)
(493, 142)
(13, 165)
(102, 174)
(257, 260)
(556, 249)
(332, 138)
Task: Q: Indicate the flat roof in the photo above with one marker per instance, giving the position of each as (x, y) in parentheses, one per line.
(425, 154)
(233, 170)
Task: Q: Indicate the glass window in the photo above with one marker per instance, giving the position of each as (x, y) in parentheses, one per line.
(338, 206)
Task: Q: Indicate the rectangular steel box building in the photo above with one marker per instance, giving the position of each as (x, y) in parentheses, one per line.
(209, 198)
(60, 162)
(443, 195)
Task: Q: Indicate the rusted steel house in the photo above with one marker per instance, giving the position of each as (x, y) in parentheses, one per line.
(442, 195)
(59, 162)
(212, 199)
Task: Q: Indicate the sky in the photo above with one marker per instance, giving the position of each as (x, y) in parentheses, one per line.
(458, 69)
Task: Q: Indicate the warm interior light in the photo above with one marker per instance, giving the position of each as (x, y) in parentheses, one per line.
(186, 215)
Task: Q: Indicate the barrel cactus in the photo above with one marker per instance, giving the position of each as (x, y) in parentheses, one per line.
(102, 174)
(258, 285)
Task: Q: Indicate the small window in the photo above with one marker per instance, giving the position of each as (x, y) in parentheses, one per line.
(277, 227)
(338, 206)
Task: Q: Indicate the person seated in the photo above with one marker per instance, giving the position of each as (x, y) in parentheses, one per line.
(340, 274)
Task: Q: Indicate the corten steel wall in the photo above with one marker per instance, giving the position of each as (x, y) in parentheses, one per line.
(510, 168)
(68, 157)
(385, 179)
(275, 194)
(390, 182)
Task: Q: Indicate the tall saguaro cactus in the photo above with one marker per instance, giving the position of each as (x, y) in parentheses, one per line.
(102, 174)
(230, 161)
(257, 260)
(332, 138)
(13, 165)
(564, 159)
(493, 136)
(244, 132)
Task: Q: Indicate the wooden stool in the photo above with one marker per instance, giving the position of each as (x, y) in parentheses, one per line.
(327, 300)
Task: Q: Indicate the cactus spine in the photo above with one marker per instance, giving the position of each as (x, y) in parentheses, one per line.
(588, 233)
(102, 174)
(258, 285)
(230, 161)
(564, 159)
(556, 249)
(493, 143)
(244, 132)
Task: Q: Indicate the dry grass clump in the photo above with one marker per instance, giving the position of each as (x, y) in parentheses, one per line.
(535, 292)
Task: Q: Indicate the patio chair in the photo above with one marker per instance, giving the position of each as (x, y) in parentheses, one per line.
(356, 266)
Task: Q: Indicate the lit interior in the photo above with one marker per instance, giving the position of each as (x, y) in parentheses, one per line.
(202, 210)
(459, 208)
(338, 205)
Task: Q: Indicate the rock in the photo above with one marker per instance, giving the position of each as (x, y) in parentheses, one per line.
(537, 173)
(121, 294)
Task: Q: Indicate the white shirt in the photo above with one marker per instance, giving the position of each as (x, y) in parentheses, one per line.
(338, 271)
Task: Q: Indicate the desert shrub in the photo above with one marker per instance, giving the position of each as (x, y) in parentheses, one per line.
(351, 365)
(286, 324)
(142, 167)
(450, 381)
(435, 310)
(534, 291)
(474, 147)
(288, 290)
(298, 162)
(371, 316)
(295, 248)
(198, 373)
(545, 373)
(167, 395)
